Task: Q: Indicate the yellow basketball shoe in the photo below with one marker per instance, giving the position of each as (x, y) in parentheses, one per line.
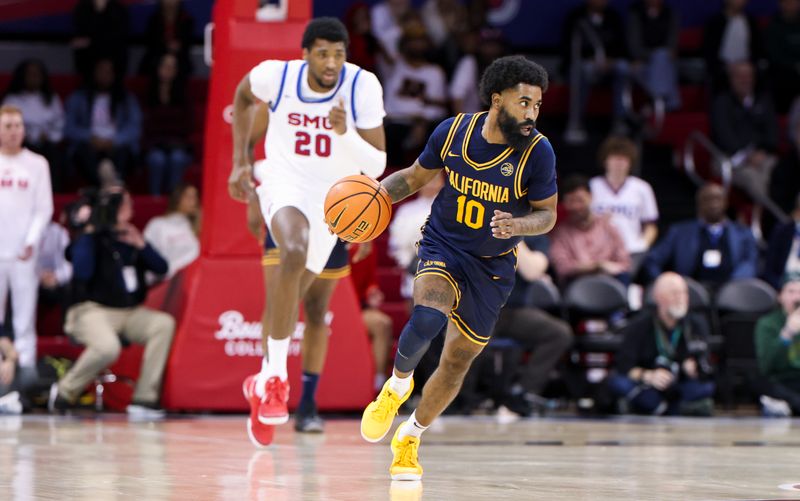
(405, 465)
(379, 414)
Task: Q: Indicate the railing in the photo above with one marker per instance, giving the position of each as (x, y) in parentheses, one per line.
(718, 159)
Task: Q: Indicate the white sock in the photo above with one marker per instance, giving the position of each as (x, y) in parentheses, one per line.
(278, 350)
(411, 427)
(261, 378)
(400, 385)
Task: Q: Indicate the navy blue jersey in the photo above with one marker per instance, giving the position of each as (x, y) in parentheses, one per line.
(482, 178)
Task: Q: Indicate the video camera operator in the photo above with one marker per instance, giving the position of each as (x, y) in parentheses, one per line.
(661, 367)
(110, 258)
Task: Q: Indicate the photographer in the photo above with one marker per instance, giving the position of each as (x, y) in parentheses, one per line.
(778, 347)
(109, 260)
(661, 367)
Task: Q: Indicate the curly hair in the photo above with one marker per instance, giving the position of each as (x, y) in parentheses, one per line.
(325, 28)
(509, 71)
(618, 145)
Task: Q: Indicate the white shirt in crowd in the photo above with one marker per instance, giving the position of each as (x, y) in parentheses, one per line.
(102, 121)
(735, 45)
(26, 201)
(41, 118)
(385, 27)
(404, 233)
(407, 87)
(464, 84)
(630, 207)
(51, 257)
(172, 236)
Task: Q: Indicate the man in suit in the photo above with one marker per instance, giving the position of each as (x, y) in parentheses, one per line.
(783, 251)
(711, 249)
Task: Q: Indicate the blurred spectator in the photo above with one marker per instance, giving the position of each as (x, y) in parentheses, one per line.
(416, 95)
(545, 336)
(26, 205)
(445, 22)
(729, 37)
(29, 90)
(103, 121)
(101, 31)
(628, 200)
(364, 48)
(110, 260)
(169, 31)
(479, 49)
(785, 180)
(174, 235)
(12, 376)
(653, 29)
(586, 243)
(406, 230)
(777, 348)
(385, 19)
(52, 267)
(167, 124)
(711, 249)
(594, 52)
(782, 44)
(783, 252)
(661, 367)
(364, 267)
(745, 127)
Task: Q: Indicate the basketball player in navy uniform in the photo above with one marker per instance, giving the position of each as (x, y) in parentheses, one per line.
(501, 185)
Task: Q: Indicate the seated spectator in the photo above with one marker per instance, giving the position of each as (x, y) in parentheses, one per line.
(745, 127)
(628, 200)
(479, 50)
(364, 267)
(777, 348)
(365, 48)
(445, 21)
(52, 267)
(386, 21)
(785, 180)
(103, 122)
(661, 367)
(730, 37)
(416, 96)
(101, 31)
(11, 376)
(594, 52)
(782, 45)
(585, 243)
(26, 205)
(545, 336)
(30, 91)
(167, 125)
(406, 230)
(169, 30)
(652, 31)
(783, 252)
(174, 235)
(109, 261)
(710, 249)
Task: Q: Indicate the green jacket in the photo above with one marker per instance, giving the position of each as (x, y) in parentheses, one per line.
(776, 358)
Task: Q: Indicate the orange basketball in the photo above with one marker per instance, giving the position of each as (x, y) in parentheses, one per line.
(358, 208)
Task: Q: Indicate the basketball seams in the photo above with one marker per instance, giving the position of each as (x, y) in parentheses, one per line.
(375, 189)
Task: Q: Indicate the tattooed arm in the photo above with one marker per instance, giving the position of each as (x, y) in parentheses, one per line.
(406, 182)
(538, 222)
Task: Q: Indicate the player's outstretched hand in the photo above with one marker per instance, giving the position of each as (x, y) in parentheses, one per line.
(502, 225)
(338, 117)
(240, 183)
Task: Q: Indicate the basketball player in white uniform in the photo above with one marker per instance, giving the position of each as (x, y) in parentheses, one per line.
(26, 206)
(325, 123)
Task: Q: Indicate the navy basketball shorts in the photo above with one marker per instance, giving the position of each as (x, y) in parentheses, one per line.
(482, 284)
(338, 265)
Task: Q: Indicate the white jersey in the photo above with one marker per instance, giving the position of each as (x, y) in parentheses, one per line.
(26, 202)
(301, 146)
(630, 207)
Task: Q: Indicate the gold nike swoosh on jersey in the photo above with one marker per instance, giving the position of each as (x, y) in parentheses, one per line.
(335, 221)
(451, 154)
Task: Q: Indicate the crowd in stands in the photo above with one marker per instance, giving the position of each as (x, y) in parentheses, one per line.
(429, 60)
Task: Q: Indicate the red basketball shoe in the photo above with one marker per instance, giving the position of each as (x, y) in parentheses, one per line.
(273, 409)
(260, 434)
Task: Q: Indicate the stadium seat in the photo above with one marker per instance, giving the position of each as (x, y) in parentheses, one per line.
(596, 300)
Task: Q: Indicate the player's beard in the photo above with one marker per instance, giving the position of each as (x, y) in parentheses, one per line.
(322, 83)
(510, 129)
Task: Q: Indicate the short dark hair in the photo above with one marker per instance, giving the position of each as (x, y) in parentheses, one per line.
(574, 183)
(509, 71)
(325, 28)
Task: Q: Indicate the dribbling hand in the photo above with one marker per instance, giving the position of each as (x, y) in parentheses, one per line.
(240, 183)
(502, 225)
(338, 117)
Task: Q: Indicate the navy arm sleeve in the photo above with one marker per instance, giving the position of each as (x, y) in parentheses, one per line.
(431, 157)
(542, 164)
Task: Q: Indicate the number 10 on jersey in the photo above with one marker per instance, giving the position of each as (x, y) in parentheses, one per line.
(470, 212)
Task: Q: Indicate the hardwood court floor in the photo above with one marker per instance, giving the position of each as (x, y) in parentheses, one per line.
(199, 458)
